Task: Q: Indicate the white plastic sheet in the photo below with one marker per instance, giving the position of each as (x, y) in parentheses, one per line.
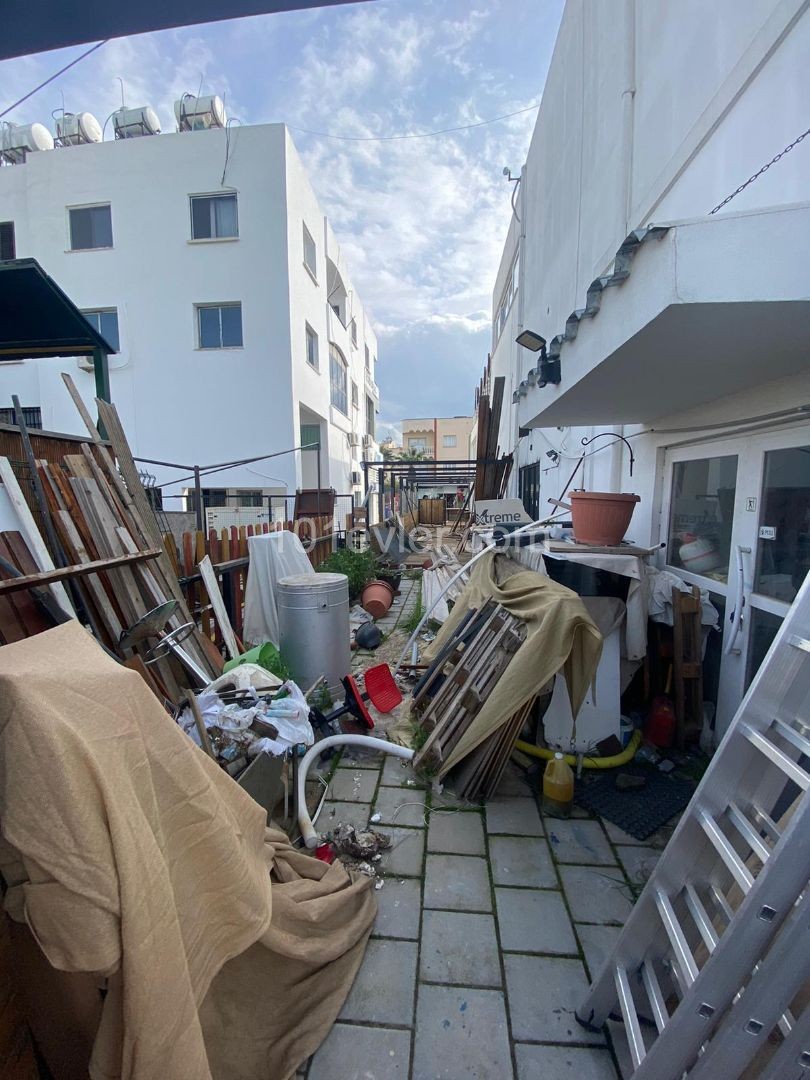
(272, 556)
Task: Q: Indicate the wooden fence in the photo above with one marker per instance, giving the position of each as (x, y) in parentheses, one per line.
(228, 551)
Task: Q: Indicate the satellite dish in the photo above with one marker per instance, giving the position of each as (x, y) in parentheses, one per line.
(506, 170)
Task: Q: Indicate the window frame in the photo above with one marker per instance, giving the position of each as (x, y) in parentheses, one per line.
(32, 421)
(353, 332)
(218, 306)
(212, 196)
(337, 359)
(89, 206)
(105, 311)
(355, 395)
(10, 224)
(449, 445)
(307, 235)
(371, 412)
(310, 333)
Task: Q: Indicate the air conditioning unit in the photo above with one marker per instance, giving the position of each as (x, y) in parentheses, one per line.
(199, 113)
(133, 123)
(86, 363)
(367, 442)
(354, 440)
(355, 477)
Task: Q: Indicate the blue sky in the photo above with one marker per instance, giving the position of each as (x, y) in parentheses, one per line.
(421, 221)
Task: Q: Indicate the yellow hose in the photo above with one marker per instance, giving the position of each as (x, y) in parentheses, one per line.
(626, 755)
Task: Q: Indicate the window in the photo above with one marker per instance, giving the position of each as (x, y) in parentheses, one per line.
(7, 246)
(508, 295)
(213, 217)
(219, 326)
(210, 497)
(105, 321)
(354, 332)
(449, 441)
(529, 489)
(90, 227)
(417, 443)
(310, 435)
(369, 416)
(154, 496)
(249, 498)
(32, 416)
(312, 347)
(368, 359)
(355, 396)
(310, 253)
(338, 381)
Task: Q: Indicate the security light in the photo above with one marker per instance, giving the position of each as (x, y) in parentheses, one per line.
(530, 340)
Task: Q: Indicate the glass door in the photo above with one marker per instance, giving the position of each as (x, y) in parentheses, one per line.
(737, 514)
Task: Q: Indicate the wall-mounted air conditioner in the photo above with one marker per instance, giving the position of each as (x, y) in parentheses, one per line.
(86, 363)
(354, 440)
(367, 442)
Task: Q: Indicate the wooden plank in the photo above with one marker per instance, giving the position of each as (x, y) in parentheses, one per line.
(33, 538)
(28, 613)
(46, 577)
(95, 585)
(218, 604)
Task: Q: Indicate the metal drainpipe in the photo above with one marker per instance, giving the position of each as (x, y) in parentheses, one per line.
(628, 109)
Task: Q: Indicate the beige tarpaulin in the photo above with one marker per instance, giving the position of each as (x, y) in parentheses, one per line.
(142, 861)
(560, 636)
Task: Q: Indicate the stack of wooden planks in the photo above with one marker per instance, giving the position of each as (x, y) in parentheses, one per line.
(103, 534)
(452, 690)
(491, 472)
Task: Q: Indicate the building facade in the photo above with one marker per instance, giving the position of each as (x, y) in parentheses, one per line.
(440, 438)
(679, 323)
(205, 259)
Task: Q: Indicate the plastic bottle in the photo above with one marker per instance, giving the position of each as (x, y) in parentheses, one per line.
(558, 787)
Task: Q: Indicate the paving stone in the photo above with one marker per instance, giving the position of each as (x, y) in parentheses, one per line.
(534, 920)
(399, 773)
(399, 904)
(562, 1063)
(359, 757)
(543, 994)
(353, 785)
(619, 836)
(458, 947)
(400, 806)
(335, 813)
(522, 860)
(406, 854)
(457, 883)
(638, 862)
(448, 800)
(596, 894)
(578, 841)
(362, 1053)
(461, 1035)
(460, 832)
(597, 943)
(383, 989)
(514, 816)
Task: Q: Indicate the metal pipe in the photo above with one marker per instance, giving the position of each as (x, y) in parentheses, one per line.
(198, 498)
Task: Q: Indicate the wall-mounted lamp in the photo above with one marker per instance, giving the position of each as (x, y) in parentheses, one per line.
(548, 369)
(529, 340)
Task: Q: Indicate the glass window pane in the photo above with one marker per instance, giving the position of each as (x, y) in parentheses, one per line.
(761, 635)
(209, 328)
(231, 326)
(90, 227)
(225, 216)
(101, 226)
(201, 219)
(312, 348)
(701, 515)
(783, 546)
(108, 328)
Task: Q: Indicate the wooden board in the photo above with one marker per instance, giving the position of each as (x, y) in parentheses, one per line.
(215, 597)
(46, 577)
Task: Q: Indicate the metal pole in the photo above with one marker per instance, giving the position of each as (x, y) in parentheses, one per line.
(198, 498)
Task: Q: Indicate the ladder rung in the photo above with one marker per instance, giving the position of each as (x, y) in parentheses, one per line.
(656, 998)
(723, 904)
(680, 947)
(777, 756)
(789, 733)
(632, 1027)
(701, 917)
(766, 822)
(742, 875)
(748, 833)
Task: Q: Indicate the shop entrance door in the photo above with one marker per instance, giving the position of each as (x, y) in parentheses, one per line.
(736, 521)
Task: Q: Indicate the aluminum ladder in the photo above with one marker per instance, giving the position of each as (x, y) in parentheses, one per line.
(718, 944)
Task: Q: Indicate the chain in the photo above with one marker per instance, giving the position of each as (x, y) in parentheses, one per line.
(764, 169)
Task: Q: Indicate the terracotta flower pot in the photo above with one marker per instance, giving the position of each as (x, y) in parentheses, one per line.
(376, 598)
(601, 517)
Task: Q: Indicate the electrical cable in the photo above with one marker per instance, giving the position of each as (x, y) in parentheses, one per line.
(415, 135)
(55, 75)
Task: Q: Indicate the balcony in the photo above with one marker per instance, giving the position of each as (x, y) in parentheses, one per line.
(371, 386)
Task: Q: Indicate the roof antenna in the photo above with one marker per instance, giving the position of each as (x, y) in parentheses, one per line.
(123, 103)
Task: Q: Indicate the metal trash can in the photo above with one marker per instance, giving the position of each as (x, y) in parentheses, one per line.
(314, 633)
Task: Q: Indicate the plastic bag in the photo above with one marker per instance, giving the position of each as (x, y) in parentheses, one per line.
(290, 717)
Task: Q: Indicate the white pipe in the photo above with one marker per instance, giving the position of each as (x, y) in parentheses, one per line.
(308, 831)
(502, 541)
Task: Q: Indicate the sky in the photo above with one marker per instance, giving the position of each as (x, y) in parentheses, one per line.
(421, 221)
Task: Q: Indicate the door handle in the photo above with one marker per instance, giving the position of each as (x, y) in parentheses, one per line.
(736, 616)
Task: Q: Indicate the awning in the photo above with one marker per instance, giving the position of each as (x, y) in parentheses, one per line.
(703, 309)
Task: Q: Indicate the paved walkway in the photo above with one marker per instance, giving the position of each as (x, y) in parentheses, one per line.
(491, 922)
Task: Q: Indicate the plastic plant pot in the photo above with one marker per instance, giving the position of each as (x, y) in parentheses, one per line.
(601, 518)
(376, 598)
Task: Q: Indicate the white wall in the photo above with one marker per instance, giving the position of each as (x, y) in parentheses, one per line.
(177, 402)
(652, 111)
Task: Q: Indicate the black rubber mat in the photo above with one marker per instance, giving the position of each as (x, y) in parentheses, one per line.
(639, 811)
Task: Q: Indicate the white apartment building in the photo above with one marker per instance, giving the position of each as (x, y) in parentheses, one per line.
(204, 258)
(683, 329)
